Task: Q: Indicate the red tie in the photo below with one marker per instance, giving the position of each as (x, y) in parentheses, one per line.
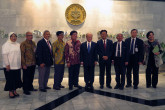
(49, 46)
(104, 45)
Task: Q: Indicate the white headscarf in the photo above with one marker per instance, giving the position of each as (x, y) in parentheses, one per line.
(11, 54)
(6, 46)
(9, 35)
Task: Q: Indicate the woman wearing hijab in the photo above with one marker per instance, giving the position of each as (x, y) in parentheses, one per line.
(12, 64)
(152, 59)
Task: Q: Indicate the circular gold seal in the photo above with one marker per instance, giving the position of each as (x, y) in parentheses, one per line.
(75, 14)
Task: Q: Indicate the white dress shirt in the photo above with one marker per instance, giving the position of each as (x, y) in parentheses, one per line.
(105, 41)
(89, 44)
(117, 48)
(48, 44)
(133, 44)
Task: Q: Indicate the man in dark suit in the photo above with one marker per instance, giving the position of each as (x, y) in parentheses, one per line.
(88, 58)
(120, 57)
(135, 54)
(44, 60)
(104, 50)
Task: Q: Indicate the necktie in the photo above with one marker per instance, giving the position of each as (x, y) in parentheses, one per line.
(118, 50)
(104, 45)
(89, 48)
(49, 46)
(132, 46)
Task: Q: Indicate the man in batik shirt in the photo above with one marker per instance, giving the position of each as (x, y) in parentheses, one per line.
(72, 55)
(59, 61)
(28, 63)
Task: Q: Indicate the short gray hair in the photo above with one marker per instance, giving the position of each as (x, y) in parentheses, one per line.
(45, 31)
(89, 33)
(119, 34)
(28, 32)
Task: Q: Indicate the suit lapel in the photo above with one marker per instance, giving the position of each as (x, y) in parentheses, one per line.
(47, 44)
(107, 45)
(129, 42)
(115, 46)
(85, 45)
(122, 46)
(51, 47)
(92, 44)
(102, 45)
(136, 42)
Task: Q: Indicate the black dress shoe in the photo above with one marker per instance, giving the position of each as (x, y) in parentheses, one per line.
(71, 88)
(27, 92)
(86, 87)
(91, 87)
(135, 87)
(101, 86)
(57, 88)
(109, 86)
(34, 90)
(121, 88)
(154, 86)
(148, 86)
(61, 86)
(116, 87)
(47, 87)
(43, 90)
(128, 86)
(78, 86)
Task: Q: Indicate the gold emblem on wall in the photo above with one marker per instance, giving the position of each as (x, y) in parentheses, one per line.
(75, 14)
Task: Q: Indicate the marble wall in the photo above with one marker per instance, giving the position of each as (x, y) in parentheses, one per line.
(115, 16)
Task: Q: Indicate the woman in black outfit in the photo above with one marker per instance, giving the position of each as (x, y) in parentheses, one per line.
(152, 59)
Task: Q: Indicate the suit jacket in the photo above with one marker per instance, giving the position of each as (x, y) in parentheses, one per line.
(124, 53)
(43, 53)
(88, 58)
(138, 44)
(102, 52)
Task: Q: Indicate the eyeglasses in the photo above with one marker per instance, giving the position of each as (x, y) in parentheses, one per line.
(29, 35)
(61, 35)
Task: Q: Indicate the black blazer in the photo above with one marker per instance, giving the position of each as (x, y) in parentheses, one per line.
(138, 44)
(43, 54)
(123, 52)
(88, 58)
(102, 52)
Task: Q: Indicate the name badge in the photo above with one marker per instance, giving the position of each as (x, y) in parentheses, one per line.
(136, 49)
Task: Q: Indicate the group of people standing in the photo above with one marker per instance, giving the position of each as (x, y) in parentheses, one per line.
(125, 55)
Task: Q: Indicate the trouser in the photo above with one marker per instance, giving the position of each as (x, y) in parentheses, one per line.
(58, 74)
(120, 71)
(74, 75)
(151, 70)
(133, 64)
(43, 76)
(28, 76)
(105, 66)
(89, 75)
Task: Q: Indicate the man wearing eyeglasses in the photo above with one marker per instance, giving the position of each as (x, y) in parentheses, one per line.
(28, 63)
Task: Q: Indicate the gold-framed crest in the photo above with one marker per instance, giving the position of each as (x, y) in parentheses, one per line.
(75, 14)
